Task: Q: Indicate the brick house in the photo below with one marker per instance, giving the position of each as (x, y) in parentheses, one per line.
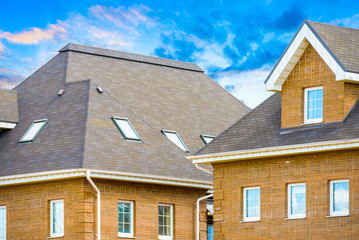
(93, 145)
(289, 169)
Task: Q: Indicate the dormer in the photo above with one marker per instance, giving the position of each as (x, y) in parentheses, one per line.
(317, 75)
(8, 109)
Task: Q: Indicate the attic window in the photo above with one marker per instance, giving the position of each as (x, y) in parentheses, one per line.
(126, 129)
(33, 131)
(313, 105)
(206, 138)
(173, 137)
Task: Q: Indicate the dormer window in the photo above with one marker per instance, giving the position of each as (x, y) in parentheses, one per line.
(126, 129)
(206, 138)
(313, 105)
(33, 131)
(173, 137)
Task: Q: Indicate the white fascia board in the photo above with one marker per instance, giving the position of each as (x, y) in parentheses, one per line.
(293, 54)
(275, 151)
(7, 125)
(119, 176)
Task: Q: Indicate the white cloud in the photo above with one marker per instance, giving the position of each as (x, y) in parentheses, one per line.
(352, 22)
(212, 56)
(248, 85)
(1, 47)
(34, 35)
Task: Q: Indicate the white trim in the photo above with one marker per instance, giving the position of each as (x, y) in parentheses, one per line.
(293, 53)
(250, 219)
(314, 120)
(98, 196)
(290, 215)
(275, 151)
(75, 173)
(131, 220)
(7, 125)
(332, 213)
(162, 237)
(52, 234)
(197, 213)
(4, 207)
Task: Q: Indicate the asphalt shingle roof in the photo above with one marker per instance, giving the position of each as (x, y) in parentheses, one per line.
(152, 93)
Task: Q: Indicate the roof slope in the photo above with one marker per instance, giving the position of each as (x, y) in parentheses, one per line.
(8, 106)
(261, 128)
(342, 41)
(152, 93)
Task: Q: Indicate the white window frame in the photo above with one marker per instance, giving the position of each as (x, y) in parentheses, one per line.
(331, 201)
(52, 234)
(250, 219)
(205, 137)
(290, 215)
(131, 234)
(314, 120)
(161, 237)
(24, 140)
(4, 207)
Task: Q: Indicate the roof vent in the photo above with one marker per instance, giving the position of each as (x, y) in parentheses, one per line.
(99, 89)
(61, 92)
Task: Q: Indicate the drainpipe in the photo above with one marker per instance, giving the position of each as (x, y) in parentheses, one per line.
(203, 169)
(198, 200)
(98, 204)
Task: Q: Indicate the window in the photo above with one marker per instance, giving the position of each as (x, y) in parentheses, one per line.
(57, 218)
(313, 105)
(296, 200)
(339, 198)
(125, 219)
(33, 131)
(251, 204)
(2, 222)
(126, 129)
(206, 138)
(173, 137)
(165, 222)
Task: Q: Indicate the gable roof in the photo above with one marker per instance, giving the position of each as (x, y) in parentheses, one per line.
(152, 93)
(337, 46)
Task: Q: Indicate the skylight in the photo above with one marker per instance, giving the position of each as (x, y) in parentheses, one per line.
(33, 131)
(173, 137)
(126, 129)
(207, 138)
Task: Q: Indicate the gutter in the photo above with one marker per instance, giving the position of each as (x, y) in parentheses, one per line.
(275, 151)
(101, 174)
(88, 172)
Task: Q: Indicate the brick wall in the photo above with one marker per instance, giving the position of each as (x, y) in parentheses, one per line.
(272, 176)
(312, 71)
(28, 208)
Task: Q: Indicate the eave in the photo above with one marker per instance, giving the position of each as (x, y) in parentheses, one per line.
(306, 35)
(279, 151)
(100, 174)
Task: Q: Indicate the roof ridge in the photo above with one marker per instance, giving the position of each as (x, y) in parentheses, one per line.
(330, 25)
(105, 52)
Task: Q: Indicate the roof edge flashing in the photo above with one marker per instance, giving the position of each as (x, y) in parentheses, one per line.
(305, 35)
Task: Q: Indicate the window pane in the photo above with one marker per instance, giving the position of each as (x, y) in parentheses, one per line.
(126, 129)
(173, 137)
(2, 222)
(298, 202)
(253, 202)
(315, 104)
(125, 217)
(341, 197)
(57, 218)
(32, 131)
(164, 220)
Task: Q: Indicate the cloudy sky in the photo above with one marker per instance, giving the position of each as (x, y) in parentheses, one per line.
(236, 42)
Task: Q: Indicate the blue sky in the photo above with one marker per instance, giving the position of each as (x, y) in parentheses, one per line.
(235, 42)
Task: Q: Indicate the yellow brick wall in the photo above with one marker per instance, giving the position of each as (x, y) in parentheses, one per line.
(312, 71)
(28, 209)
(272, 176)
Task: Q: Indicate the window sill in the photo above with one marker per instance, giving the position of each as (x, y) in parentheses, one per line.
(126, 237)
(247, 221)
(333, 216)
(295, 218)
(56, 237)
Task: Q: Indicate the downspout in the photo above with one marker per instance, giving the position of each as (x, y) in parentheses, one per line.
(198, 200)
(98, 204)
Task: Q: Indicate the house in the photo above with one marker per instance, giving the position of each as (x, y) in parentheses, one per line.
(289, 169)
(93, 145)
